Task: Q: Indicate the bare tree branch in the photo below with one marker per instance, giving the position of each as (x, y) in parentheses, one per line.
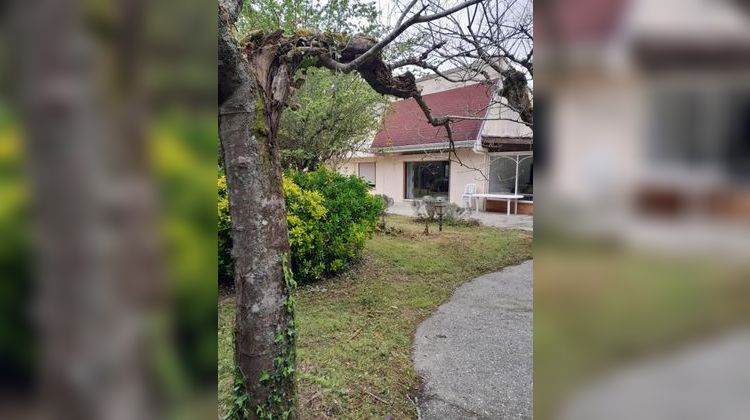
(494, 36)
(398, 30)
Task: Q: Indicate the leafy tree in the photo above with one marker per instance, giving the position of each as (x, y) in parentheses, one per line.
(343, 16)
(334, 113)
(337, 114)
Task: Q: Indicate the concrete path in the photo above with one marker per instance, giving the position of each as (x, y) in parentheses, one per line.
(475, 352)
(707, 380)
(501, 220)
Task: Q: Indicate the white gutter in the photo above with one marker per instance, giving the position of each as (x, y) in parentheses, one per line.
(423, 147)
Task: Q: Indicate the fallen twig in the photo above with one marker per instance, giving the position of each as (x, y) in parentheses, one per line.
(415, 401)
(377, 398)
(356, 333)
(314, 397)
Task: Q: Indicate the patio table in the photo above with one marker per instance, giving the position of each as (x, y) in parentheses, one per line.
(490, 196)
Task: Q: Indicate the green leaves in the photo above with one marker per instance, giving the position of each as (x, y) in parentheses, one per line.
(337, 113)
(280, 402)
(264, 377)
(330, 243)
(226, 263)
(329, 216)
(350, 16)
(239, 404)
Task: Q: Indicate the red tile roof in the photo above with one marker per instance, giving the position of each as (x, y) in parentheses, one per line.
(577, 21)
(406, 125)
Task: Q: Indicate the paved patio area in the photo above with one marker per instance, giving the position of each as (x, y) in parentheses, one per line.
(501, 220)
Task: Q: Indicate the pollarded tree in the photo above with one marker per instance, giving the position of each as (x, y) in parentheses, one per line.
(257, 78)
(333, 114)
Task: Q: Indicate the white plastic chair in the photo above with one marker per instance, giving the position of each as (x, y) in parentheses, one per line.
(469, 191)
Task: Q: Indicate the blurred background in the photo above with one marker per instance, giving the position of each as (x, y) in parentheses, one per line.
(108, 162)
(642, 276)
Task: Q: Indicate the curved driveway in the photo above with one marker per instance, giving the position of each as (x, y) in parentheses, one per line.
(475, 352)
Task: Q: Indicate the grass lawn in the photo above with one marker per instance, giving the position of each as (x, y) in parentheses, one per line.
(599, 307)
(355, 330)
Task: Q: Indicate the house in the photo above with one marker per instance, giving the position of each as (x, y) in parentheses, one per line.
(409, 158)
(646, 103)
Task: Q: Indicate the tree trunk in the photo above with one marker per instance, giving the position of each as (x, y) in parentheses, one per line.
(264, 333)
(99, 275)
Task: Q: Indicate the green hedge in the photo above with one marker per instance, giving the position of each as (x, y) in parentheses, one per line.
(330, 217)
(225, 234)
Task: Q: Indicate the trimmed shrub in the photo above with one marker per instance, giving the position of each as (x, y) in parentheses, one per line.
(226, 265)
(330, 216)
(454, 215)
(305, 217)
(351, 218)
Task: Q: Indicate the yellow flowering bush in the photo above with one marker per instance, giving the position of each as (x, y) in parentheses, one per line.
(330, 216)
(305, 214)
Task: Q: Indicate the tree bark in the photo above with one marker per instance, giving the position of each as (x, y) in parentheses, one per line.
(99, 273)
(248, 119)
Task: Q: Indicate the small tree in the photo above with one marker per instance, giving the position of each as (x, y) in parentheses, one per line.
(333, 116)
(387, 203)
(428, 202)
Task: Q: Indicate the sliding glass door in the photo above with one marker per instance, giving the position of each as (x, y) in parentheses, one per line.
(512, 174)
(427, 178)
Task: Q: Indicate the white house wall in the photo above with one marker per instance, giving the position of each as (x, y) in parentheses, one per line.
(502, 122)
(389, 172)
(597, 147)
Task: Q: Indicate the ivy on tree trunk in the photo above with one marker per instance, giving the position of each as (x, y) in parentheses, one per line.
(251, 96)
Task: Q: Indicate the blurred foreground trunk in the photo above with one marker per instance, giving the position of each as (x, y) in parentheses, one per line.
(98, 261)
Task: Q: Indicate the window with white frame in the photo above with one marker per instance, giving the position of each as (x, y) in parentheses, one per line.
(427, 178)
(512, 174)
(366, 171)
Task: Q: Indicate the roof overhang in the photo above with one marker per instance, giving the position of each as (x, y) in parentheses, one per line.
(661, 55)
(507, 144)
